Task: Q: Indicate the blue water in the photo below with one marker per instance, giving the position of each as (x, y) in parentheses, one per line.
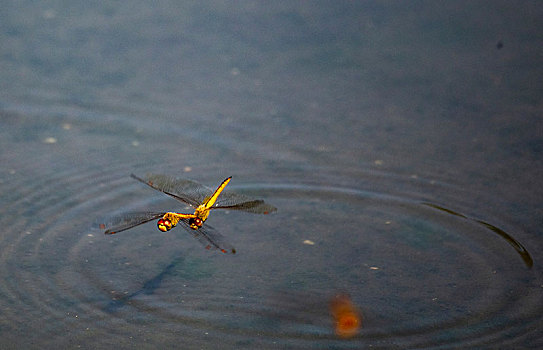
(400, 142)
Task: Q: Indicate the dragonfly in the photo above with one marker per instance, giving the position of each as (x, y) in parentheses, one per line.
(200, 197)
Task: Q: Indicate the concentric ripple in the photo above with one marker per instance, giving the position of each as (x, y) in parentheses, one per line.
(421, 274)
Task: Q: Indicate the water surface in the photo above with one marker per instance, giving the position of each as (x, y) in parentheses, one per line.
(400, 143)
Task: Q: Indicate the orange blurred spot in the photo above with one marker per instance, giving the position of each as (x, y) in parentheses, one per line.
(347, 318)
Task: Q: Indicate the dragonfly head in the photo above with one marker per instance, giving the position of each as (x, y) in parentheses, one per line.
(164, 225)
(196, 223)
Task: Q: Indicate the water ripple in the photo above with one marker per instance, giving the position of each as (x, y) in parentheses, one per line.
(422, 275)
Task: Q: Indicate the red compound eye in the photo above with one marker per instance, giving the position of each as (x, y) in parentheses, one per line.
(195, 223)
(164, 225)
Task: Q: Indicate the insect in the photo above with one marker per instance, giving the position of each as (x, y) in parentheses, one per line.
(202, 198)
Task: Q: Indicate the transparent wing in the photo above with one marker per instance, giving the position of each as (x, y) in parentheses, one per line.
(236, 201)
(209, 237)
(126, 221)
(194, 193)
(187, 191)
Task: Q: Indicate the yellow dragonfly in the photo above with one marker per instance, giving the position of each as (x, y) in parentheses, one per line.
(201, 198)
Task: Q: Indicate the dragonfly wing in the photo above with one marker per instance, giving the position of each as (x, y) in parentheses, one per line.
(123, 222)
(236, 201)
(190, 192)
(209, 237)
(194, 193)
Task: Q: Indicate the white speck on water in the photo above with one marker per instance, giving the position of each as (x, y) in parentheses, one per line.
(50, 140)
(49, 14)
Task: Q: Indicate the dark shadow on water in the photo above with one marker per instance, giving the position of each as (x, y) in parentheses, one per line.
(148, 287)
(519, 248)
